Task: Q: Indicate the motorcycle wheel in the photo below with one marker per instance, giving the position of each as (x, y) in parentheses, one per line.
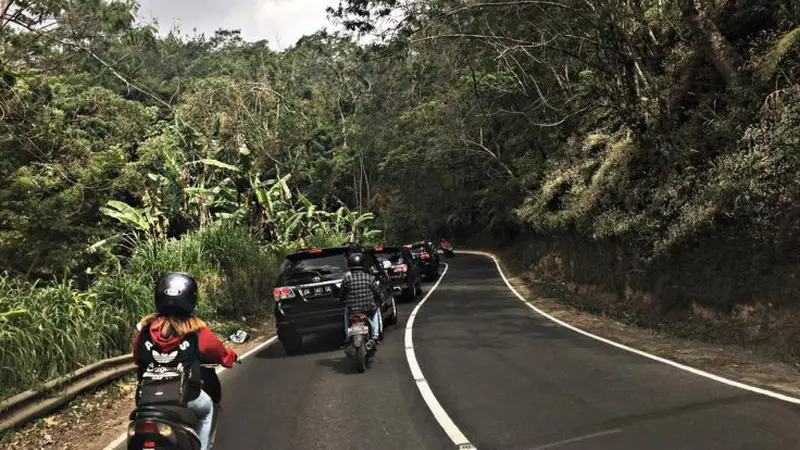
(361, 358)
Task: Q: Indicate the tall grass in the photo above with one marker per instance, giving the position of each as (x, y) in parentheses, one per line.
(48, 330)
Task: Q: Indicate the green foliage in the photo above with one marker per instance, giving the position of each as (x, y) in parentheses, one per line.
(66, 327)
(125, 154)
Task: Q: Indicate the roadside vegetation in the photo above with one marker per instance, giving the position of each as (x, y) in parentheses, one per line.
(646, 149)
(125, 156)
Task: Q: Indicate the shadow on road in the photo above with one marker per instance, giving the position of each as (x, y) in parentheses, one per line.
(342, 365)
(313, 344)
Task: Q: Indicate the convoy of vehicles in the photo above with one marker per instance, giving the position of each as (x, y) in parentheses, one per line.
(306, 298)
(306, 292)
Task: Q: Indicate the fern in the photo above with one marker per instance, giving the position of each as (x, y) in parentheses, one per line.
(774, 57)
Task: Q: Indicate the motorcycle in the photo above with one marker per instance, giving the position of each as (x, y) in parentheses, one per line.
(171, 427)
(448, 250)
(360, 344)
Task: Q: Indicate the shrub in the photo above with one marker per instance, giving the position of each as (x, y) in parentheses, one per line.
(49, 330)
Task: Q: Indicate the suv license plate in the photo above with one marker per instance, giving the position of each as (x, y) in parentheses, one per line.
(317, 291)
(358, 329)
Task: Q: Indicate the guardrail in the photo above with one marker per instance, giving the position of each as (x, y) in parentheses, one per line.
(33, 404)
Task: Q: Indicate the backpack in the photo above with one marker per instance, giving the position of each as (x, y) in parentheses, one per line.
(168, 378)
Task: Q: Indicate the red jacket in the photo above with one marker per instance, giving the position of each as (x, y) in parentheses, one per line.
(211, 347)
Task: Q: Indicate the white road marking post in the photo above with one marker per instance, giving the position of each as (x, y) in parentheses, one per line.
(453, 432)
(695, 371)
(119, 440)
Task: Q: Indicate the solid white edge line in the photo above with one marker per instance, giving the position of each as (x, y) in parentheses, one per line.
(118, 441)
(702, 373)
(447, 424)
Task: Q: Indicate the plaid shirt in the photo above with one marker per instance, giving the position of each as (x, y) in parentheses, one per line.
(360, 291)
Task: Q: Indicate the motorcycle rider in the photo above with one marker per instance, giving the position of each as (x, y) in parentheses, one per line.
(360, 293)
(173, 340)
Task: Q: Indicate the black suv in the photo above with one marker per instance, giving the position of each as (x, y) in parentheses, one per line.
(427, 256)
(402, 269)
(307, 293)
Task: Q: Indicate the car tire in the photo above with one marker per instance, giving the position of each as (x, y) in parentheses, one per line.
(392, 320)
(410, 294)
(419, 287)
(292, 344)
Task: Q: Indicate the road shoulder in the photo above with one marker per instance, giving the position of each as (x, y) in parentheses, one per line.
(727, 361)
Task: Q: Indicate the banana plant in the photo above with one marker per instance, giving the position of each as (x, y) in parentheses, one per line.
(190, 193)
(350, 222)
(138, 220)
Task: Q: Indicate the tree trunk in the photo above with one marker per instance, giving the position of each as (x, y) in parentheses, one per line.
(712, 43)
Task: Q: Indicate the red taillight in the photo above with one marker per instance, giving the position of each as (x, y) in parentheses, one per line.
(378, 249)
(408, 246)
(146, 427)
(425, 256)
(315, 250)
(401, 268)
(149, 444)
(282, 293)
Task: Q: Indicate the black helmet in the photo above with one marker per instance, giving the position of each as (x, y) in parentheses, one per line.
(176, 294)
(355, 261)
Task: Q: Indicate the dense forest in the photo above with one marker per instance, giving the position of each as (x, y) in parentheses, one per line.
(645, 148)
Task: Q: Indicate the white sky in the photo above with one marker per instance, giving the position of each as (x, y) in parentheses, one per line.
(281, 22)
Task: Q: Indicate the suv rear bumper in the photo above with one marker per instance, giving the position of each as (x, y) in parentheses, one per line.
(429, 267)
(311, 322)
(401, 284)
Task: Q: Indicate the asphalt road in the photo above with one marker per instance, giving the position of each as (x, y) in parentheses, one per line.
(508, 378)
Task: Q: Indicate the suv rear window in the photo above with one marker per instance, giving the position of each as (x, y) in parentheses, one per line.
(302, 266)
(418, 248)
(392, 254)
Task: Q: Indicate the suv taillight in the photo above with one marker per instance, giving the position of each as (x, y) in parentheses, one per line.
(401, 268)
(282, 293)
(425, 256)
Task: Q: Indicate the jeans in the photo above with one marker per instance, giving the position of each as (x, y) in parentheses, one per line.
(203, 407)
(377, 322)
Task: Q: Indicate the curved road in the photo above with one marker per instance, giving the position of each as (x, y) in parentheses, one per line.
(508, 378)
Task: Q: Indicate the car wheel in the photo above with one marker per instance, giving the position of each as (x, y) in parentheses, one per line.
(419, 286)
(392, 320)
(292, 344)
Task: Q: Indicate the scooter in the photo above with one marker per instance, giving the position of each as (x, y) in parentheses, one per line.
(448, 250)
(360, 344)
(167, 427)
